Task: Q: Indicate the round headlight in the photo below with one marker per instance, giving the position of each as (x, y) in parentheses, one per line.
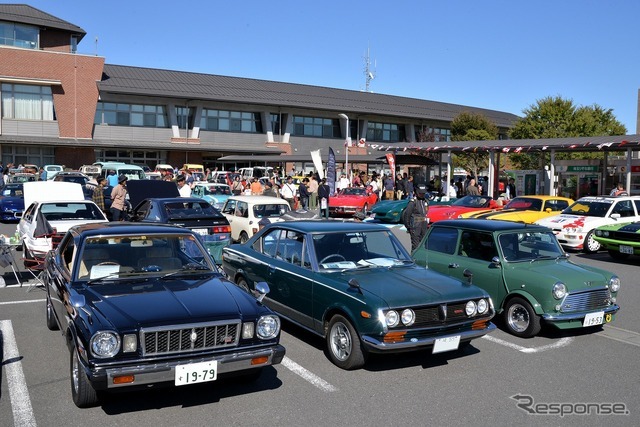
(105, 344)
(391, 318)
(408, 317)
(598, 232)
(482, 306)
(470, 308)
(268, 327)
(614, 284)
(559, 290)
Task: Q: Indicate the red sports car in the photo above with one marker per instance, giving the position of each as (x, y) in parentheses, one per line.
(351, 200)
(462, 205)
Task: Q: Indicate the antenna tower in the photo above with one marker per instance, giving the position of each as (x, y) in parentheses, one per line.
(368, 73)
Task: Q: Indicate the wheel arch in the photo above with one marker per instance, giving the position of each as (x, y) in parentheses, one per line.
(537, 307)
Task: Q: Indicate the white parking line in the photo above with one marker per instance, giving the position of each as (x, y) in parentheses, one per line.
(618, 334)
(18, 392)
(22, 302)
(308, 376)
(562, 342)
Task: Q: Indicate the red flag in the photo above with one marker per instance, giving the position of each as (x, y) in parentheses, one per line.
(391, 159)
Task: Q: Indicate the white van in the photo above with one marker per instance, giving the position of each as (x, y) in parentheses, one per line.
(255, 172)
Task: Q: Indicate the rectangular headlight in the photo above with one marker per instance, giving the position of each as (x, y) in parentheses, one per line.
(129, 343)
(247, 330)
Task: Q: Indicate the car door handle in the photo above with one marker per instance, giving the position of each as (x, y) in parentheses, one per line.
(454, 265)
(272, 269)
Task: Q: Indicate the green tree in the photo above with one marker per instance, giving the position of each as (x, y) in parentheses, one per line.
(469, 126)
(555, 117)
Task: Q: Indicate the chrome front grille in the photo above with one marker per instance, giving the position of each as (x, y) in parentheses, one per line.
(440, 315)
(586, 300)
(189, 338)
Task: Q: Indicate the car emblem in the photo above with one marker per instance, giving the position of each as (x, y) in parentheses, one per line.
(228, 339)
(194, 336)
(443, 312)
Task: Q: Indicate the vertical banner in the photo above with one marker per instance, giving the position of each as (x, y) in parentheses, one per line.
(391, 159)
(317, 162)
(331, 171)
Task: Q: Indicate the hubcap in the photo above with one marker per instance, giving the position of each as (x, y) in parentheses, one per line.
(518, 318)
(340, 341)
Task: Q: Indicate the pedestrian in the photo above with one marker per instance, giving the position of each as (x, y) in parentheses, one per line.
(256, 187)
(414, 216)
(389, 187)
(288, 192)
(237, 188)
(42, 174)
(619, 190)
(313, 192)
(118, 196)
(472, 189)
(399, 187)
(324, 192)
(303, 192)
(183, 187)
(268, 190)
(98, 193)
(452, 192)
(511, 189)
(112, 178)
(408, 187)
(459, 188)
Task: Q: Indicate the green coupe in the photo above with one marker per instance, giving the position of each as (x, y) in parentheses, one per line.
(354, 284)
(620, 240)
(526, 272)
(390, 211)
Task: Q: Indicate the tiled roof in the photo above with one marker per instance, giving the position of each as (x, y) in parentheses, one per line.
(26, 14)
(120, 79)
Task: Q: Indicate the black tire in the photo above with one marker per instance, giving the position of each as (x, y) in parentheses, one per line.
(52, 325)
(83, 394)
(242, 284)
(365, 208)
(343, 344)
(243, 237)
(590, 246)
(520, 318)
(617, 255)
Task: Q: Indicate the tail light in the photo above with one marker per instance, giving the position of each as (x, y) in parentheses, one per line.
(221, 229)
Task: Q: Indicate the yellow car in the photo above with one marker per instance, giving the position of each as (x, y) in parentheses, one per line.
(526, 209)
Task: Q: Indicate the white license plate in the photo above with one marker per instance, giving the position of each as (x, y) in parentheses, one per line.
(446, 344)
(626, 249)
(194, 373)
(593, 319)
(201, 231)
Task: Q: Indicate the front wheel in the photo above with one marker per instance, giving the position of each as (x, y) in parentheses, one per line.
(242, 284)
(521, 319)
(590, 244)
(244, 237)
(84, 395)
(343, 343)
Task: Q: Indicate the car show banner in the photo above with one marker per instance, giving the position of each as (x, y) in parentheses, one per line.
(331, 171)
(391, 159)
(317, 162)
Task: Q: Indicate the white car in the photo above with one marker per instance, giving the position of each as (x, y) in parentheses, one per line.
(245, 212)
(52, 208)
(574, 227)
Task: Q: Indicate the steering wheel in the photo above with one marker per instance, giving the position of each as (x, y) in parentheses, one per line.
(328, 257)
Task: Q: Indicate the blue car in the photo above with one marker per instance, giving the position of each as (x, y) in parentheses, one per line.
(213, 192)
(11, 201)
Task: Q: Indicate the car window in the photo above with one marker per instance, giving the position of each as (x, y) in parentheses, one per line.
(229, 207)
(189, 209)
(637, 205)
(477, 245)
(352, 248)
(624, 208)
(268, 243)
(70, 210)
(529, 246)
(290, 248)
(556, 205)
(270, 210)
(442, 240)
(242, 210)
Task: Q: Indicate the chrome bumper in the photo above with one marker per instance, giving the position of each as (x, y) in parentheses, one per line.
(561, 317)
(374, 344)
(153, 373)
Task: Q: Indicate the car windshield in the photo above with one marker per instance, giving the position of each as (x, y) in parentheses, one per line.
(217, 190)
(132, 256)
(524, 204)
(589, 208)
(353, 191)
(61, 211)
(350, 250)
(12, 191)
(520, 246)
(270, 210)
(132, 173)
(472, 201)
(191, 209)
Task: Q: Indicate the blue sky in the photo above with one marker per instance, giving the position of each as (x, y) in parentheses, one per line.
(502, 55)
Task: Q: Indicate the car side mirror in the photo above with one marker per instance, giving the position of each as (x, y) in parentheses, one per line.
(495, 261)
(615, 216)
(263, 289)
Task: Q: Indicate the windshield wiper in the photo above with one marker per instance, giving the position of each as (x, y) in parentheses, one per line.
(191, 268)
(119, 275)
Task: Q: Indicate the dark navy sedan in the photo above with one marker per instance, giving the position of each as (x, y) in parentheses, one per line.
(11, 201)
(140, 305)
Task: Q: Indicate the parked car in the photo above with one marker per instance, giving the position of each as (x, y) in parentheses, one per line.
(212, 192)
(142, 305)
(574, 227)
(621, 240)
(526, 272)
(245, 212)
(52, 170)
(526, 209)
(92, 171)
(132, 172)
(17, 176)
(11, 201)
(160, 202)
(52, 208)
(351, 200)
(466, 204)
(79, 178)
(389, 211)
(355, 285)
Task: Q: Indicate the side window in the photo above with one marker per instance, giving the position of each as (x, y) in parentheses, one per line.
(442, 240)
(292, 248)
(67, 250)
(230, 207)
(637, 205)
(143, 211)
(477, 245)
(242, 210)
(28, 214)
(623, 208)
(269, 243)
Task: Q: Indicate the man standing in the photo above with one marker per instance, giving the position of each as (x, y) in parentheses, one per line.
(472, 190)
(313, 192)
(268, 190)
(256, 187)
(98, 193)
(183, 187)
(389, 187)
(511, 189)
(112, 178)
(288, 192)
(118, 195)
(303, 192)
(324, 191)
(414, 216)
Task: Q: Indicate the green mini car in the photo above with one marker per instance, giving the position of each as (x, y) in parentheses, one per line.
(526, 272)
(620, 240)
(354, 284)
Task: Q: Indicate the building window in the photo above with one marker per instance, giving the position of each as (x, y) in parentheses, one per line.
(74, 44)
(275, 123)
(21, 154)
(441, 135)
(109, 113)
(18, 35)
(387, 132)
(27, 102)
(184, 117)
(316, 126)
(429, 134)
(230, 121)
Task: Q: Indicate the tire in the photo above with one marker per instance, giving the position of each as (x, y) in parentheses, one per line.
(590, 246)
(243, 237)
(242, 284)
(343, 344)
(52, 325)
(520, 318)
(617, 255)
(365, 208)
(83, 394)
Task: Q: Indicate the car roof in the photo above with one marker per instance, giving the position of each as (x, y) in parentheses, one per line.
(328, 226)
(542, 197)
(258, 200)
(489, 225)
(114, 228)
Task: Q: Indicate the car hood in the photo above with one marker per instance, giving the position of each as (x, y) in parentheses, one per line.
(410, 286)
(387, 205)
(54, 191)
(167, 302)
(545, 273)
(626, 227)
(140, 189)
